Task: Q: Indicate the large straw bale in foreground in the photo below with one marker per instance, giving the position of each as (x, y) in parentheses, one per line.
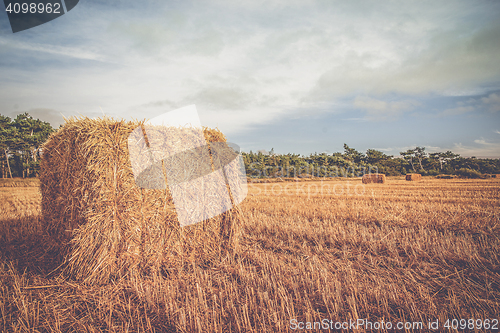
(114, 227)
(414, 177)
(377, 178)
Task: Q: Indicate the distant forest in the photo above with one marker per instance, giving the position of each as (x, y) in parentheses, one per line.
(352, 163)
(20, 145)
(21, 140)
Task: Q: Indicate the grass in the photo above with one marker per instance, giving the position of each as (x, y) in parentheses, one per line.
(339, 250)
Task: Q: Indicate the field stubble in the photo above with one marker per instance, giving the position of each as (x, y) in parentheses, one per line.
(387, 252)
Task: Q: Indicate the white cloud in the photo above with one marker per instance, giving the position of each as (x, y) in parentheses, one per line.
(497, 132)
(443, 58)
(457, 111)
(484, 150)
(486, 143)
(52, 116)
(379, 109)
(481, 142)
(492, 102)
(480, 148)
(432, 149)
(78, 53)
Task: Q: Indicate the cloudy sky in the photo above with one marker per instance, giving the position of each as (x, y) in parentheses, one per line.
(296, 76)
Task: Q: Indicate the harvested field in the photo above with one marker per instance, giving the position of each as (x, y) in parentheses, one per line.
(340, 250)
(19, 182)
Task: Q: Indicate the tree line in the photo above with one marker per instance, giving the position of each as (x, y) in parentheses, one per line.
(20, 145)
(352, 163)
(21, 140)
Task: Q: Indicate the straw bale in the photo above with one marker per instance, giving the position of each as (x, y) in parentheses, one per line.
(414, 177)
(376, 178)
(445, 176)
(113, 227)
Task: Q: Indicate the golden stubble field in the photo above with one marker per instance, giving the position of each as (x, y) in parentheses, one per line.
(311, 251)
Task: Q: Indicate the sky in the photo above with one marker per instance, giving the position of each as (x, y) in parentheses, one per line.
(297, 76)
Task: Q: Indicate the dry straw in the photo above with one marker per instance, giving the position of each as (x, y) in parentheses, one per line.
(414, 177)
(445, 176)
(113, 227)
(376, 178)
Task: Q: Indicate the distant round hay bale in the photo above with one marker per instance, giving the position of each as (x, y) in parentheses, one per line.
(445, 177)
(415, 177)
(375, 178)
(90, 200)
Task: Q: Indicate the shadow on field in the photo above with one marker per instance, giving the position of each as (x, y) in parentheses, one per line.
(23, 244)
(36, 297)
